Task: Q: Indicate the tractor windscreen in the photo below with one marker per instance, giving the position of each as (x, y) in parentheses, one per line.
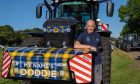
(79, 10)
(133, 37)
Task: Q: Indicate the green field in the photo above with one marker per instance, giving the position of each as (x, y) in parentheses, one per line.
(124, 70)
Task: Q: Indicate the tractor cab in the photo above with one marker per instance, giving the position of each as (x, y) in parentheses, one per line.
(82, 10)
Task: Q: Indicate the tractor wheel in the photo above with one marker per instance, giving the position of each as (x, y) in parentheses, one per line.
(128, 47)
(32, 42)
(124, 47)
(106, 59)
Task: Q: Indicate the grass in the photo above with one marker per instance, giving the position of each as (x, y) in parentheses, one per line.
(124, 70)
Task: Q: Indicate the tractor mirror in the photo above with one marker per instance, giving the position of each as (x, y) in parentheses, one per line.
(110, 9)
(38, 11)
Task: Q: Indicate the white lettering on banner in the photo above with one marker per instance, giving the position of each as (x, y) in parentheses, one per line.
(44, 73)
(49, 73)
(62, 73)
(17, 63)
(53, 73)
(23, 72)
(37, 73)
(16, 70)
(40, 65)
(30, 72)
(27, 65)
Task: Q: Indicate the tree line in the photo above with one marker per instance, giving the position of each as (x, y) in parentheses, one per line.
(10, 37)
(130, 14)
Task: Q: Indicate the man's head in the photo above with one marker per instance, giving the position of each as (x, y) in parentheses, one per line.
(90, 26)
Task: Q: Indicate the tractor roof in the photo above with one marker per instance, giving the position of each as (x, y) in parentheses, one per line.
(132, 34)
(87, 1)
(57, 1)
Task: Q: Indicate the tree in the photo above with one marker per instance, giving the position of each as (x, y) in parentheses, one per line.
(130, 14)
(7, 36)
(19, 37)
(23, 34)
(35, 30)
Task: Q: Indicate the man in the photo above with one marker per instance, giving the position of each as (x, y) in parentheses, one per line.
(91, 40)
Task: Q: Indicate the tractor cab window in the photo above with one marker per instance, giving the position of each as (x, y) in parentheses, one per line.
(78, 10)
(133, 37)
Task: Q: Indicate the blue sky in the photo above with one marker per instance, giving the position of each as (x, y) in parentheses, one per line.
(20, 14)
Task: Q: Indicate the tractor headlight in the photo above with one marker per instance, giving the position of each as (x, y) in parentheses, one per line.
(48, 44)
(64, 44)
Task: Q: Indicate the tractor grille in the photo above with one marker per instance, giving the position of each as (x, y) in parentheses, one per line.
(58, 40)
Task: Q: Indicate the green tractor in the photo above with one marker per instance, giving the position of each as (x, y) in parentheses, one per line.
(49, 57)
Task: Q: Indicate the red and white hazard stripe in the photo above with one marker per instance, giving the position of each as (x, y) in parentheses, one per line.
(81, 65)
(5, 64)
(105, 27)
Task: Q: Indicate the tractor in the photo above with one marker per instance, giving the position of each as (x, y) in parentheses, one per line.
(49, 57)
(131, 41)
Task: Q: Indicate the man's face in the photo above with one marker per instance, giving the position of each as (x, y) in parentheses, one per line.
(90, 26)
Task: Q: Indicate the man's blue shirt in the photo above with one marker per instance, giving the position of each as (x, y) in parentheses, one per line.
(92, 39)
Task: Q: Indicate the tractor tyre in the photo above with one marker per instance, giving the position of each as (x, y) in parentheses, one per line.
(128, 47)
(32, 42)
(106, 59)
(124, 47)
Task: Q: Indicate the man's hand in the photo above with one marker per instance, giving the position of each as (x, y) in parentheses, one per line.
(93, 48)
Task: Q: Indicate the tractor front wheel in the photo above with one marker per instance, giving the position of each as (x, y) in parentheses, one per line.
(128, 47)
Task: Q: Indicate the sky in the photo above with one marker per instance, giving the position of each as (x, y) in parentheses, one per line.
(21, 14)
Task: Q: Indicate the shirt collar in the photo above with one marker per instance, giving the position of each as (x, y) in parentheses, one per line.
(91, 33)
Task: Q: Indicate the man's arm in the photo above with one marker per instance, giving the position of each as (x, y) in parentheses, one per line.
(79, 45)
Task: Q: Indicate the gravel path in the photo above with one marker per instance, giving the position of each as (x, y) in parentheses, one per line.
(135, 55)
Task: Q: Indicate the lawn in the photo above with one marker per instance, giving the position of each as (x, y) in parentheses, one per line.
(124, 70)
